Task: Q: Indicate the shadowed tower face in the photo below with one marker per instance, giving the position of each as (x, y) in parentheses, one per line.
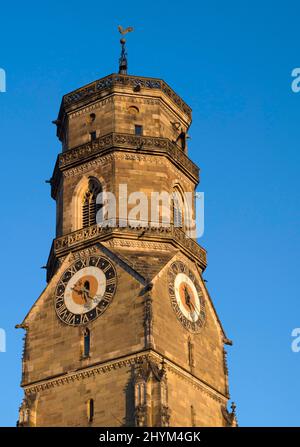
(125, 332)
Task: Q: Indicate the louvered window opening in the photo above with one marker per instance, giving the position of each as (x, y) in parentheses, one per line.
(89, 206)
(177, 210)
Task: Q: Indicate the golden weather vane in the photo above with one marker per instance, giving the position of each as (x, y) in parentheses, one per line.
(123, 31)
(123, 59)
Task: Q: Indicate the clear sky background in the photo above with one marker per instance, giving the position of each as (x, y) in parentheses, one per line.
(231, 61)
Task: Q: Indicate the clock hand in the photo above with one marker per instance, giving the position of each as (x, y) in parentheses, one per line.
(196, 310)
(189, 302)
(194, 307)
(83, 291)
(87, 293)
(77, 290)
(187, 297)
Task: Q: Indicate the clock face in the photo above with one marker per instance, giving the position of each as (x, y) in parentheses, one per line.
(187, 298)
(85, 290)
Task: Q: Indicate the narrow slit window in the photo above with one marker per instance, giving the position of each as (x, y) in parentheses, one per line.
(86, 335)
(138, 129)
(90, 410)
(93, 135)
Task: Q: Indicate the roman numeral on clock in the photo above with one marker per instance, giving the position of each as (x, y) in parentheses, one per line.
(84, 319)
(110, 281)
(70, 319)
(62, 312)
(107, 297)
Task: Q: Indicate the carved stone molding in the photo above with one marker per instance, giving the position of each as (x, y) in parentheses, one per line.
(97, 88)
(122, 146)
(84, 150)
(161, 235)
(148, 321)
(84, 167)
(196, 383)
(149, 356)
(137, 100)
(91, 107)
(142, 245)
(128, 142)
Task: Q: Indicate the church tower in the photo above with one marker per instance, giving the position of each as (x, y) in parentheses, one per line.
(125, 332)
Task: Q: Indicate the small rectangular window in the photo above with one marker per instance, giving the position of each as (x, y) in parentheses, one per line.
(93, 135)
(138, 129)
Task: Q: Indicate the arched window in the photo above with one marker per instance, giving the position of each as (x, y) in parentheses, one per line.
(178, 207)
(90, 410)
(86, 342)
(89, 205)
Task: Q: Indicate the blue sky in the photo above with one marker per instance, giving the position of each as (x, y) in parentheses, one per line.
(231, 61)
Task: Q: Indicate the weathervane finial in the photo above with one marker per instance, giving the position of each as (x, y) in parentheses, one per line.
(123, 59)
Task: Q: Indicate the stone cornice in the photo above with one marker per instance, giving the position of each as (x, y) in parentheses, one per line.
(88, 236)
(139, 145)
(97, 89)
(105, 367)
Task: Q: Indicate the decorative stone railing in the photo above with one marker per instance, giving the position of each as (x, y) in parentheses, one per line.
(140, 144)
(124, 80)
(73, 240)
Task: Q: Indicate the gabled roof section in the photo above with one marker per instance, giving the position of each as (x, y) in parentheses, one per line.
(146, 263)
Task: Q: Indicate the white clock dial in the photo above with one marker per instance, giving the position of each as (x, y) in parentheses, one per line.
(187, 297)
(85, 290)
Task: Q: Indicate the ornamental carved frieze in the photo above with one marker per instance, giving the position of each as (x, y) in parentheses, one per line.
(84, 167)
(130, 361)
(97, 87)
(81, 235)
(137, 100)
(142, 245)
(92, 107)
(84, 150)
(171, 233)
(143, 144)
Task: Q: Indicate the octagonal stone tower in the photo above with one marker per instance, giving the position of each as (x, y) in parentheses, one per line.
(125, 332)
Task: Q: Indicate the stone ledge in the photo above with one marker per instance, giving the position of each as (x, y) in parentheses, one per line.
(78, 239)
(125, 361)
(140, 145)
